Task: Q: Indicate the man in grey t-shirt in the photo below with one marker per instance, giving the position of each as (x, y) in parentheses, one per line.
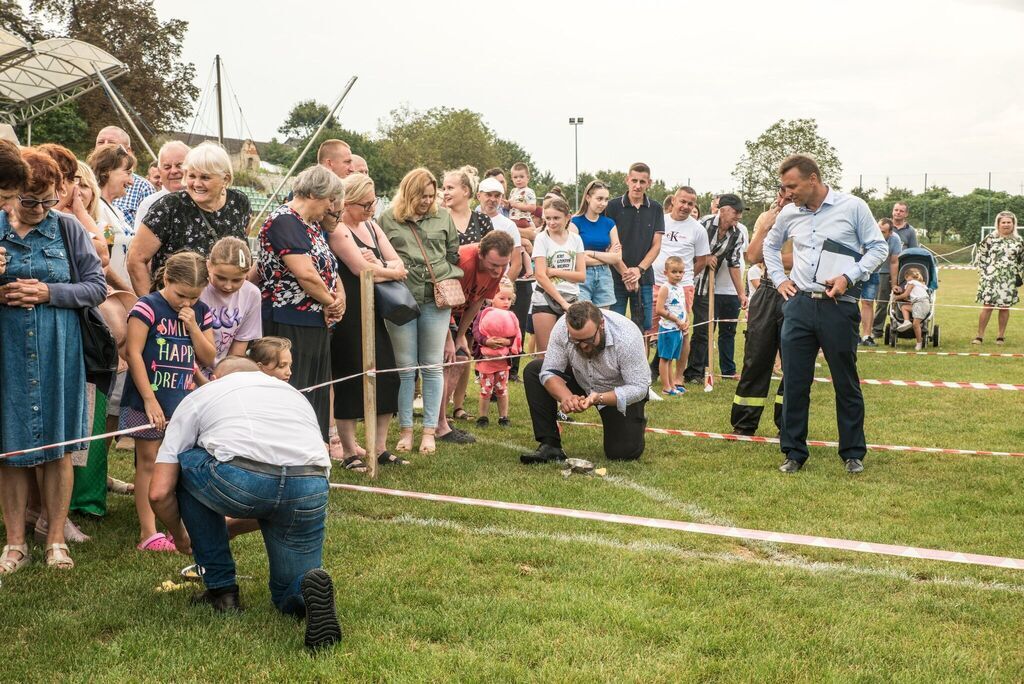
(903, 230)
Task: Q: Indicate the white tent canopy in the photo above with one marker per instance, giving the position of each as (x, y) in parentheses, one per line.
(35, 79)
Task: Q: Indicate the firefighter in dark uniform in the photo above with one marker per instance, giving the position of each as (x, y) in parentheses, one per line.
(763, 332)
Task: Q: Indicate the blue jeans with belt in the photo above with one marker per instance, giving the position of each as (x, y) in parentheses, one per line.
(291, 510)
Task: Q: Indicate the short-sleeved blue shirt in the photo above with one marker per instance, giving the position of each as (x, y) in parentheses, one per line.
(596, 235)
(169, 356)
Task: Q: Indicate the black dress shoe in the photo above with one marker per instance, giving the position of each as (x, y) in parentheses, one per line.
(790, 466)
(221, 600)
(322, 626)
(854, 465)
(743, 431)
(545, 453)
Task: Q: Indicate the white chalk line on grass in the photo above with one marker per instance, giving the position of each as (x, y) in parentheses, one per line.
(644, 546)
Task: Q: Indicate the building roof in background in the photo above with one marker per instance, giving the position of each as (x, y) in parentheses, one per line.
(232, 145)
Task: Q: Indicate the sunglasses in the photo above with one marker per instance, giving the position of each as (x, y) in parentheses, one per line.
(30, 203)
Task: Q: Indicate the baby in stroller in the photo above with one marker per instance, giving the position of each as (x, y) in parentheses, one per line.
(915, 304)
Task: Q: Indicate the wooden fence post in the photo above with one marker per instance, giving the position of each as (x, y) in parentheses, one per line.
(369, 365)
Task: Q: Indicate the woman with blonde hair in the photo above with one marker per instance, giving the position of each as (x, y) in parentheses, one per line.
(427, 242)
(459, 187)
(1000, 269)
(361, 245)
(192, 219)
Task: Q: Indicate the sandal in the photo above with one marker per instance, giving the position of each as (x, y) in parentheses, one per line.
(57, 557)
(1000, 340)
(355, 464)
(7, 564)
(121, 487)
(388, 458)
(977, 340)
(158, 542)
(460, 414)
(72, 532)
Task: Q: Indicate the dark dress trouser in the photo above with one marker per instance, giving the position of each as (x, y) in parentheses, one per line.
(623, 434)
(832, 326)
(881, 303)
(763, 334)
(697, 362)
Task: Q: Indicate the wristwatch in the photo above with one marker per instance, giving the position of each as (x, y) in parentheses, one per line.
(849, 282)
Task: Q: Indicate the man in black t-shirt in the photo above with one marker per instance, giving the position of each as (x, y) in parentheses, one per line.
(641, 224)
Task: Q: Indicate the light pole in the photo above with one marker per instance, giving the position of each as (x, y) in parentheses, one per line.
(576, 122)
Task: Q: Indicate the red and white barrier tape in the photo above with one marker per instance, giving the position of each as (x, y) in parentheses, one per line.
(941, 384)
(937, 353)
(703, 528)
(814, 442)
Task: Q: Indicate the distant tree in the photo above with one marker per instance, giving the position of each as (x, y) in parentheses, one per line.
(439, 139)
(62, 125)
(160, 87)
(304, 118)
(13, 19)
(276, 152)
(757, 170)
(866, 195)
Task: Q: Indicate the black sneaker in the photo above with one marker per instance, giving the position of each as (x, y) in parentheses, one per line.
(221, 600)
(483, 421)
(870, 342)
(790, 466)
(457, 436)
(504, 422)
(854, 465)
(322, 627)
(513, 377)
(545, 453)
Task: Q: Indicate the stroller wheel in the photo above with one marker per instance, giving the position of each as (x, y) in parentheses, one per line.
(890, 335)
(935, 336)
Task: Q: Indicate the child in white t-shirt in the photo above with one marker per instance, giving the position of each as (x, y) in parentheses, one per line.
(234, 302)
(559, 266)
(522, 201)
(915, 304)
(670, 305)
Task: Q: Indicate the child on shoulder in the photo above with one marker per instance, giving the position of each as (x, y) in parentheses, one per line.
(496, 329)
(169, 334)
(522, 201)
(672, 326)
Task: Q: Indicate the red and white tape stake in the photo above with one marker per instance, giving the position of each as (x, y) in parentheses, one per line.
(815, 442)
(702, 528)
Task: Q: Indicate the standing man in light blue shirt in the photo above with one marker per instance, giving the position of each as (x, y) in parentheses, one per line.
(821, 315)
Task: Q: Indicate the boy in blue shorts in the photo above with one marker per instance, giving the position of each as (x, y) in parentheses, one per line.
(671, 306)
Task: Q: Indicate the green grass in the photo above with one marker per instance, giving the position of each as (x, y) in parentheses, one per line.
(436, 592)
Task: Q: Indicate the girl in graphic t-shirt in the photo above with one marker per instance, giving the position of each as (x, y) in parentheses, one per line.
(169, 334)
(559, 267)
(234, 302)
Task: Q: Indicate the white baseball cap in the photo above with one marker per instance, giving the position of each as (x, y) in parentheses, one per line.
(491, 185)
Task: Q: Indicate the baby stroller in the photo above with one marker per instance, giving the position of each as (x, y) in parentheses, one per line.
(923, 260)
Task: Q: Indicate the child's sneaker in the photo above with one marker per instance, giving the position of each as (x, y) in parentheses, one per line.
(504, 422)
(904, 325)
(680, 389)
(482, 422)
(918, 347)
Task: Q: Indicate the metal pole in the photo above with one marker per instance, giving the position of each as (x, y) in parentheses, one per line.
(124, 112)
(988, 201)
(860, 182)
(277, 190)
(220, 107)
(576, 178)
(28, 132)
(369, 365)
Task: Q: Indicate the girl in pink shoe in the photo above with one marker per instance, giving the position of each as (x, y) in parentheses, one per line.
(169, 335)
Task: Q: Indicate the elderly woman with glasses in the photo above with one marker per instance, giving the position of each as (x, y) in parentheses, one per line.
(42, 396)
(298, 277)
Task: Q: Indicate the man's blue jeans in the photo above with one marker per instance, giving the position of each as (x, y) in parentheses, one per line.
(644, 297)
(291, 511)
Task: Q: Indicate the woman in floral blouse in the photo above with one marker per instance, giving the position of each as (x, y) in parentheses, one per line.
(1000, 265)
(298, 276)
(191, 219)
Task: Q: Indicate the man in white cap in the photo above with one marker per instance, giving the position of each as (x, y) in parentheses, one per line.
(490, 193)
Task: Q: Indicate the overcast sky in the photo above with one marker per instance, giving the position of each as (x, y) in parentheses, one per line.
(900, 88)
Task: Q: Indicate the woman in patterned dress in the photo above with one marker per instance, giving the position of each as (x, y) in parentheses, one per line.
(298, 277)
(1000, 265)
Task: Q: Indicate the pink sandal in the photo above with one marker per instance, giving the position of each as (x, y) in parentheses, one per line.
(158, 542)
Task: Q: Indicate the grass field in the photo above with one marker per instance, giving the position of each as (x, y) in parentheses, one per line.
(435, 592)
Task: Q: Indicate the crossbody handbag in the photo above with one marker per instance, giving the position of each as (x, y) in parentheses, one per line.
(447, 293)
(99, 348)
(392, 298)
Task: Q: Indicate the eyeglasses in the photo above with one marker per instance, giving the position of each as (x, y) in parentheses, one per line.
(590, 341)
(367, 206)
(30, 203)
